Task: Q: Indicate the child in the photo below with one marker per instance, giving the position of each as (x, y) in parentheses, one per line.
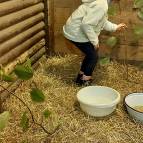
(83, 28)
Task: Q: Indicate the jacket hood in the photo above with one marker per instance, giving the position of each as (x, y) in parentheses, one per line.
(92, 3)
(88, 1)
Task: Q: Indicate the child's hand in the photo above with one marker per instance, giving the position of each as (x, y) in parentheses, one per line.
(121, 26)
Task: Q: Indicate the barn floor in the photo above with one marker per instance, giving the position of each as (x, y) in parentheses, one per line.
(54, 77)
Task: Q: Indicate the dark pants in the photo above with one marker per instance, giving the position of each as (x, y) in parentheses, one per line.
(91, 57)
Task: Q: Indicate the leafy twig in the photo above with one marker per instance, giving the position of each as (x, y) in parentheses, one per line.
(32, 116)
(20, 101)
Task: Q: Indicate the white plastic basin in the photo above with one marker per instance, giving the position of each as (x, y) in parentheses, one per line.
(131, 101)
(98, 101)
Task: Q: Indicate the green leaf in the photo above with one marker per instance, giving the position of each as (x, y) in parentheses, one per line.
(138, 3)
(7, 78)
(112, 41)
(1, 72)
(104, 61)
(138, 31)
(24, 122)
(46, 113)
(4, 77)
(28, 62)
(140, 15)
(112, 11)
(37, 95)
(24, 73)
(4, 117)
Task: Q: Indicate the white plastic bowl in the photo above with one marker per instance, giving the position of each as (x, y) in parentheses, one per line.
(131, 101)
(98, 101)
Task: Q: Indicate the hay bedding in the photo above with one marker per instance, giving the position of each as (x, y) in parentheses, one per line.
(54, 77)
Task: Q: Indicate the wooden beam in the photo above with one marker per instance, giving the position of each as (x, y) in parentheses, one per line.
(15, 5)
(17, 40)
(23, 57)
(10, 56)
(20, 27)
(51, 24)
(46, 26)
(13, 18)
(38, 55)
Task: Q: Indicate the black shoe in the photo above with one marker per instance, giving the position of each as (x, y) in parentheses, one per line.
(84, 82)
(78, 79)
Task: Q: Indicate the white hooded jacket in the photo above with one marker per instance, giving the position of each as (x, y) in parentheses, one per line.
(86, 23)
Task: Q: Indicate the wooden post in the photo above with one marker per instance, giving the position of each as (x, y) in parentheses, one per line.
(46, 27)
(49, 26)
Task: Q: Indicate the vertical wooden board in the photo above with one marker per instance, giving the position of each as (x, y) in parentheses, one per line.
(139, 55)
(51, 25)
(61, 15)
(66, 46)
(60, 45)
(126, 5)
(64, 8)
(63, 3)
(58, 28)
(76, 4)
(133, 53)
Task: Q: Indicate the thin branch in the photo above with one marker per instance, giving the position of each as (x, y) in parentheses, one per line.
(32, 116)
(126, 57)
(126, 61)
(45, 130)
(20, 101)
(126, 50)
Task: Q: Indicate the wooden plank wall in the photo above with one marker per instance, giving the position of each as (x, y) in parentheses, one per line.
(21, 31)
(62, 10)
(129, 16)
